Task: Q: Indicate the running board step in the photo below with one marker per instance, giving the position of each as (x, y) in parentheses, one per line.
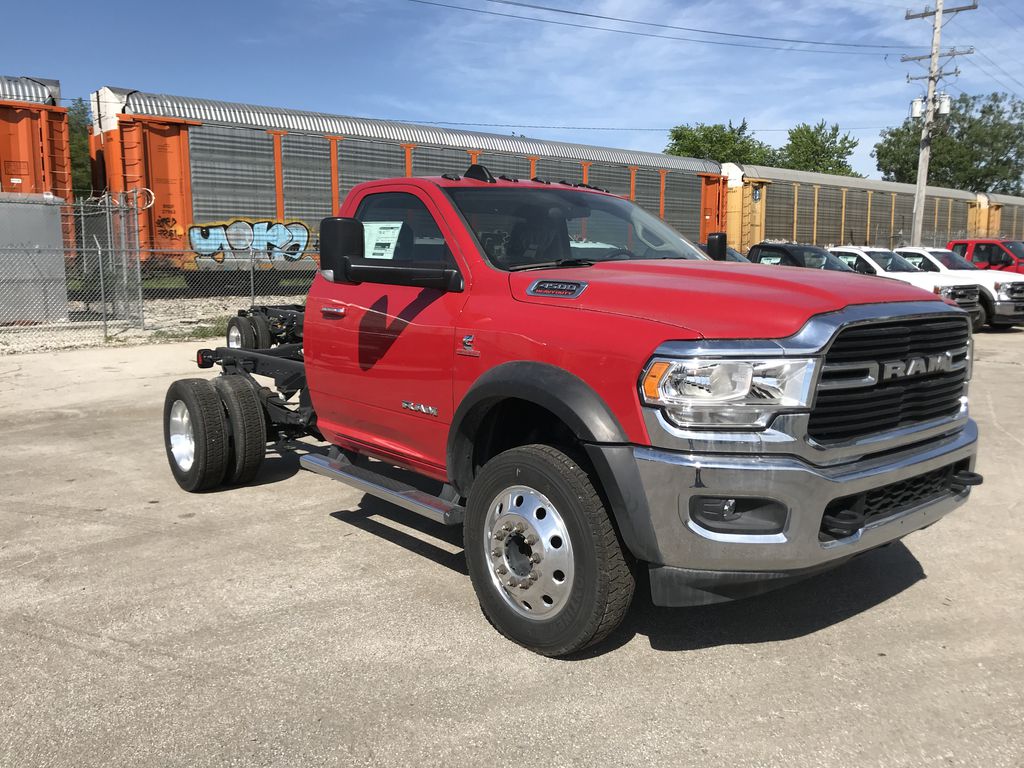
(385, 488)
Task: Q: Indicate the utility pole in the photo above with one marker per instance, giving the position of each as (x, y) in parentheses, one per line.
(934, 75)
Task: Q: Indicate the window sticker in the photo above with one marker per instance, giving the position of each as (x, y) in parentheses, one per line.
(380, 239)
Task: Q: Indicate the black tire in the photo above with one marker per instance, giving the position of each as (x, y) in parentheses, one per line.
(209, 437)
(241, 334)
(261, 329)
(985, 318)
(247, 428)
(602, 583)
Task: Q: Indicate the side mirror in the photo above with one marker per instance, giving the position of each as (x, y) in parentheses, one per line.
(864, 269)
(341, 240)
(716, 246)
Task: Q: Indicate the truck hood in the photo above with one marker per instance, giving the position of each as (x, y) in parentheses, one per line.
(986, 277)
(927, 280)
(712, 299)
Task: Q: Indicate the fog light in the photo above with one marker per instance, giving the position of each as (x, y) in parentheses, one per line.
(757, 517)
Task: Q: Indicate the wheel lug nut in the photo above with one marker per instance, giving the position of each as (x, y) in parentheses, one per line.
(511, 582)
(507, 527)
(534, 574)
(535, 557)
(501, 570)
(531, 539)
(495, 552)
(520, 528)
(524, 584)
(499, 535)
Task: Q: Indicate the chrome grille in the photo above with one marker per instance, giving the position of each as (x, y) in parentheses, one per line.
(966, 297)
(854, 400)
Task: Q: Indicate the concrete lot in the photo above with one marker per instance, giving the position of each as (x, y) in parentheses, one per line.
(294, 622)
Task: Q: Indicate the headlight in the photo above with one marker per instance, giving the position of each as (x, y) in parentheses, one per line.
(1002, 291)
(944, 290)
(728, 393)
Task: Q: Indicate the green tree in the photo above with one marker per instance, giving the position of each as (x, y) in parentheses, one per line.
(78, 140)
(718, 142)
(979, 147)
(818, 148)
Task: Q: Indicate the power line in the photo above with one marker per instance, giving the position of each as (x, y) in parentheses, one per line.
(534, 7)
(635, 33)
(1014, 79)
(1010, 8)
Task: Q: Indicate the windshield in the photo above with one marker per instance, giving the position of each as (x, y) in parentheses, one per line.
(891, 262)
(950, 260)
(1016, 247)
(814, 257)
(531, 228)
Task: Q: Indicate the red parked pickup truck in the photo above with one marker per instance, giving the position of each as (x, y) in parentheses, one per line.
(1006, 255)
(589, 395)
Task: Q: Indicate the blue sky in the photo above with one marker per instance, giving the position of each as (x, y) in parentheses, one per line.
(402, 60)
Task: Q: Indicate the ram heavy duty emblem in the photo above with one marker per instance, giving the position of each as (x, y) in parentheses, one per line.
(917, 366)
(430, 410)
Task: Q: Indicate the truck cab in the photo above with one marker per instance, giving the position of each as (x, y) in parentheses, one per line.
(992, 253)
(589, 396)
(1001, 295)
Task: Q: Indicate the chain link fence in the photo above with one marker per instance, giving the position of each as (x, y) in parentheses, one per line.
(73, 274)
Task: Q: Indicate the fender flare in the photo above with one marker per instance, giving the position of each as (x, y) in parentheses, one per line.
(588, 417)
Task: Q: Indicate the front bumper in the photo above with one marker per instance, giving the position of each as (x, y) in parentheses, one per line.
(1009, 312)
(691, 565)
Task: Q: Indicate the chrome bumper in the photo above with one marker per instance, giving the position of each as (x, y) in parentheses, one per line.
(1009, 312)
(669, 479)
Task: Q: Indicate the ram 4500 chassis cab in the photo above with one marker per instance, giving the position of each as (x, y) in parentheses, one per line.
(589, 395)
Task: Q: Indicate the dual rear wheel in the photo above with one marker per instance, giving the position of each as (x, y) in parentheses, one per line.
(214, 432)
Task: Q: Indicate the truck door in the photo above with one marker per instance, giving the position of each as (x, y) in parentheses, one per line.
(381, 375)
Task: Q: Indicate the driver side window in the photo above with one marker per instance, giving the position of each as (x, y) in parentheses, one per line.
(983, 252)
(397, 226)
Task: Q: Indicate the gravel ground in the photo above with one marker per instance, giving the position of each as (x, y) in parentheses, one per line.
(295, 622)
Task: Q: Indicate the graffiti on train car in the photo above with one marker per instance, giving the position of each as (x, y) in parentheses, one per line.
(273, 241)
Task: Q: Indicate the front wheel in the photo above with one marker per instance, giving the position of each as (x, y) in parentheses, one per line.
(543, 555)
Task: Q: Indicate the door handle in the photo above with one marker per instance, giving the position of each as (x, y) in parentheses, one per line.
(330, 311)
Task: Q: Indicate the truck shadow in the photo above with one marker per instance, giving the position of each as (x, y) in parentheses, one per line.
(794, 611)
(379, 518)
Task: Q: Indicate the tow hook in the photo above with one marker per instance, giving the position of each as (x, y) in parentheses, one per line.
(964, 479)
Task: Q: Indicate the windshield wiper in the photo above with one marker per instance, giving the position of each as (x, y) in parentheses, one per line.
(552, 265)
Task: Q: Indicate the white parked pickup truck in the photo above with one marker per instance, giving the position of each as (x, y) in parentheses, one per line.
(1002, 293)
(886, 263)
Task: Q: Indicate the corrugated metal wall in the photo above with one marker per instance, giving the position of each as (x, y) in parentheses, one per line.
(515, 166)
(881, 207)
(232, 173)
(306, 178)
(830, 205)
(855, 227)
(805, 214)
(368, 160)
(778, 224)
(648, 190)
(434, 161)
(614, 178)
(557, 169)
(682, 203)
(903, 225)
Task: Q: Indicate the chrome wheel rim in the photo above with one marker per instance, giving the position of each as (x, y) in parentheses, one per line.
(181, 436)
(234, 337)
(529, 552)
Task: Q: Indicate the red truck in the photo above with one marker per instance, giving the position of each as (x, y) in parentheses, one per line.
(991, 253)
(590, 396)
